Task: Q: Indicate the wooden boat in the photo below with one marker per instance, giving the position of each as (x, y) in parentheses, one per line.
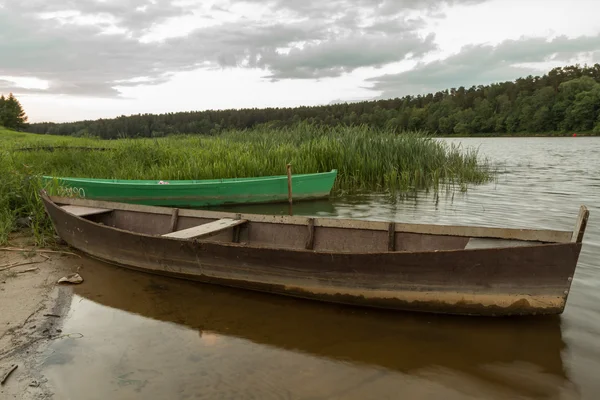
(196, 193)
(433, 268)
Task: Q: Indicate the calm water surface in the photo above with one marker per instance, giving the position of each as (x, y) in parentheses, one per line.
(141, 336)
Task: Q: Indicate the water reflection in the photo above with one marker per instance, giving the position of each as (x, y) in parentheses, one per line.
(166, 338)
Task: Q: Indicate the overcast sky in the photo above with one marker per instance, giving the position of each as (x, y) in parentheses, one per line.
(85, 59)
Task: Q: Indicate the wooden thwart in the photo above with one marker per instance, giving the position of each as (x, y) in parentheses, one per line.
(81, 211)
(206, 229)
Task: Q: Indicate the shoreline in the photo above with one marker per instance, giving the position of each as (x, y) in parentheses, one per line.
(536, 135)
(34, 307)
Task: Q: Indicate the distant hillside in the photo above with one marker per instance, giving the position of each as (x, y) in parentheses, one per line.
(563, 100)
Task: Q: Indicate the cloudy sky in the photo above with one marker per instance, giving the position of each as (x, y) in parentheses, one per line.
(85, 59)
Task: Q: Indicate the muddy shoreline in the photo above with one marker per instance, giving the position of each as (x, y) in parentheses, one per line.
(33, 307)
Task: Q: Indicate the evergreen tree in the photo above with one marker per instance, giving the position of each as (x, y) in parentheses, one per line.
(12, 114)
(2, 105)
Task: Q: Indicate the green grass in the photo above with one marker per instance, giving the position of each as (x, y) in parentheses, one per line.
(366, 160)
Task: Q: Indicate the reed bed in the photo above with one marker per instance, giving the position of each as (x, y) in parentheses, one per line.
(366, 159)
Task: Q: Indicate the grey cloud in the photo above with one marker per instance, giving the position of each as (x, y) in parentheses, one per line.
(396, 25)
(80, 60)
(320, 9)
(125, 12)
(82, 88)
(334, 57)
(483, 64)
(9, 87)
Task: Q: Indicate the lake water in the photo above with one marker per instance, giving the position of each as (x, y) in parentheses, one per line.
(135, 335)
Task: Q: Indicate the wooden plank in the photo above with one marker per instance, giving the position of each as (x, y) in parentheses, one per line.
(392, 236)
(486, 243)
(542, 235)
(174, 219)
(581, 224)
(206, 229)
(84, 211)
(310, 241)
(236, 230)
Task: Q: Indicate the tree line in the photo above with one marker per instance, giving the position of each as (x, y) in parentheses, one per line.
(12, 115)
(565, 99)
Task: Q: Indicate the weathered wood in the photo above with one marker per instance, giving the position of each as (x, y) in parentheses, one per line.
(310, 240)
(9, 266)
(486, 243)
(205, 229)
(174, 220)
(289, 182)
(81, 211)
(7, 373)
(392, 236)
(236, 230)
(541, 235)
(581, 224)
(439, 277)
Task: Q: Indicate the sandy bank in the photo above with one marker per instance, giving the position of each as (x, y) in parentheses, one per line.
(32, 306)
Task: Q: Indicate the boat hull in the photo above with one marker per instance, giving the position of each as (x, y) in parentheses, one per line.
(201, 193)
(531, 280)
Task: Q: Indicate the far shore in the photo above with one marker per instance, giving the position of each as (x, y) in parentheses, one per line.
(519, 135)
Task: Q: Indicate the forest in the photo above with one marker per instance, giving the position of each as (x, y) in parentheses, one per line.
(566, 99)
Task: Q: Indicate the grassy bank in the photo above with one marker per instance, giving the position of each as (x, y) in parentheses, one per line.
(367, 160)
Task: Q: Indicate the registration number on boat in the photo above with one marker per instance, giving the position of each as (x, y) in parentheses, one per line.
(71, 192)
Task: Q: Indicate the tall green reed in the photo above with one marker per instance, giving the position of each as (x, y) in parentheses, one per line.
(367, 159)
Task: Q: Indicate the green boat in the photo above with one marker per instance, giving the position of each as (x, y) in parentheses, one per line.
(195, 193)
